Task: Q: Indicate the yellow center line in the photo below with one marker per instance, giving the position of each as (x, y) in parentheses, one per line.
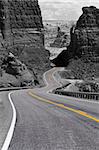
(82, 113)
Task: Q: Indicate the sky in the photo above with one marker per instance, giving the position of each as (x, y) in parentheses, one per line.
(64, 9)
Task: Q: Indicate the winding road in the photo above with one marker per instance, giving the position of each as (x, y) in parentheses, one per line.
(46, 121)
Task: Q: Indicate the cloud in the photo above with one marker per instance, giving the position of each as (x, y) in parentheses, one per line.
(64, 9)
(66, 1)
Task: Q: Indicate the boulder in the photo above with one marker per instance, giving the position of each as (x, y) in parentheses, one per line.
(15, 73)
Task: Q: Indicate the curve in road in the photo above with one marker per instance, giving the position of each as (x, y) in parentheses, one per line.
(46, 126)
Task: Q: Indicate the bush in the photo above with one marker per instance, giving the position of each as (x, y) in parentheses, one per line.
(88, 87)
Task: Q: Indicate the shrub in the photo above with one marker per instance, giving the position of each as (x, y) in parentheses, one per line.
(88, 86)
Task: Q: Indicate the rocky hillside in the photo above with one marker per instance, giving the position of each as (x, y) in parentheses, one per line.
(22, 34)
(85, 35)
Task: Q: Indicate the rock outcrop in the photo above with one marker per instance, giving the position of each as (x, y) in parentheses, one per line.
(85, 35)
(22, 33)
(15, 73)
(62, 59)
(60, 40)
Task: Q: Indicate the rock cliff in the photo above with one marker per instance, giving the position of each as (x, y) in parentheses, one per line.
(22, 34)
(85, 35)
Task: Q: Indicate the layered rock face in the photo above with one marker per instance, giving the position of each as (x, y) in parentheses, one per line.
(22, 33)
(18, 15)
(25, 14)
(85, 35)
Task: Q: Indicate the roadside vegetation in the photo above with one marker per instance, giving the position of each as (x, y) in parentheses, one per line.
(88, 86)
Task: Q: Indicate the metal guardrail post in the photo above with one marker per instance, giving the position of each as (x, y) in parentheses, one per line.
(86, 95)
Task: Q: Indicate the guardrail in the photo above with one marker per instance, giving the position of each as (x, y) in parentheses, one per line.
(85, 95)
(15, 88)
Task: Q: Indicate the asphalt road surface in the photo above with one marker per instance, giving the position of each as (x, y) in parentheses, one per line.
(51, 122)
(5, 116)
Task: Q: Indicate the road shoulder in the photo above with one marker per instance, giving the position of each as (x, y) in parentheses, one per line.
(6, 115)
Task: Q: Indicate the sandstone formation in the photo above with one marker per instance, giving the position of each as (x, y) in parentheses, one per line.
(85, 35)
(60, 40)
(15, 73)
(22, 33)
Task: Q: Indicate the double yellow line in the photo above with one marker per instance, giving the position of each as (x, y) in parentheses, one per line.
(82, 113)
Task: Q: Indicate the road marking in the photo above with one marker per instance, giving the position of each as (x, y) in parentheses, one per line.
(82, 113)
(12, 126)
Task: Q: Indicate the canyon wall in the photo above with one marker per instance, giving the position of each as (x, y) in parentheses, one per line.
(22, 34)
(84, 37)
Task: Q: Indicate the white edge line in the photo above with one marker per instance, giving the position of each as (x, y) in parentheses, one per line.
(12, 126)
